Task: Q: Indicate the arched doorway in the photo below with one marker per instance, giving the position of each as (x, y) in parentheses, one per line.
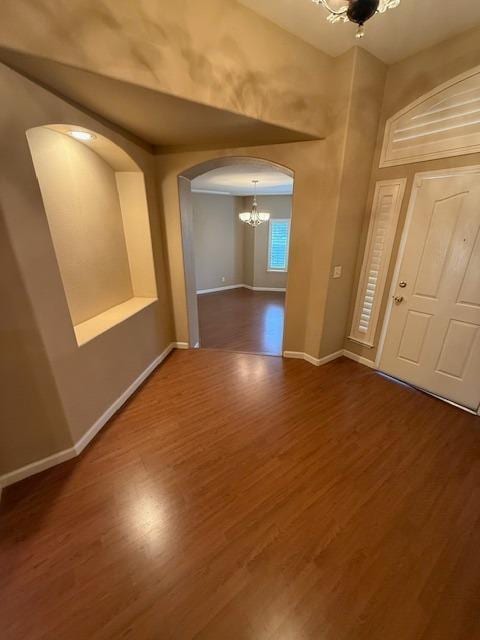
(236, 173)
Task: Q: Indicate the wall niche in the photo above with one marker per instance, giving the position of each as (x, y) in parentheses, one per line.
(96, 206)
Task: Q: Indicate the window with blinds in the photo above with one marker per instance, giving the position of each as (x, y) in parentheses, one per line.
(278, 242)
(387, 202)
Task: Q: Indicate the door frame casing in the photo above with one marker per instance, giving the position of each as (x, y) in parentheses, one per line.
(418, 180)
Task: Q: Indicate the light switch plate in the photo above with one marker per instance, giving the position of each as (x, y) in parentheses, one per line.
(337, 271)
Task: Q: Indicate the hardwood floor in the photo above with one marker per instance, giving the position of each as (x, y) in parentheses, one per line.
(242, 320)
(241, 497)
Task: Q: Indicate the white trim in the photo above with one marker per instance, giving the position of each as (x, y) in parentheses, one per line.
(247, 286)
(120, 401)
(67, 454)
(230, 286)
(417, 184)
(311, 359)
(242, 286)
(212, 192)
(462, 148)
(368, 345)
(388, 219)
(360, 359)
(318, 362)
(36, 467)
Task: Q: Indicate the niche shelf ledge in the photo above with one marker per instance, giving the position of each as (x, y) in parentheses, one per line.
(91, 328)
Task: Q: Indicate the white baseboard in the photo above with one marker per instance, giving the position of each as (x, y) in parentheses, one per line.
(333, 356)
(317, 362)
(230, 286)
(297, 355)
(247, 286)
(239, 286)
(105, 417)
(67, 454)
(37, 466)
(360, 359)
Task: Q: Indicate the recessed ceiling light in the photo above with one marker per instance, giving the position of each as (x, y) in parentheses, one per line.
(84, 136)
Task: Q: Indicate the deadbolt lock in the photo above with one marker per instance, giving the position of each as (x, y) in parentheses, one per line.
(402, 284)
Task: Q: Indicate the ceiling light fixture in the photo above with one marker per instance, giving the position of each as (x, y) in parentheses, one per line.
(254, 217)
(84, 136)
(357, 11)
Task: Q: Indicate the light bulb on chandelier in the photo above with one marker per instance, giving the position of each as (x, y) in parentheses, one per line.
(254, 217)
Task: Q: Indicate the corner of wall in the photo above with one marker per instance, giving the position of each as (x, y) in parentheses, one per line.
(360, 136)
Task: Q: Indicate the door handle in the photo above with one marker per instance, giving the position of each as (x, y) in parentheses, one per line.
(398, 299)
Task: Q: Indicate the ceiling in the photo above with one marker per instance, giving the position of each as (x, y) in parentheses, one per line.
(236, 180)
(162, 120)
(392, 36)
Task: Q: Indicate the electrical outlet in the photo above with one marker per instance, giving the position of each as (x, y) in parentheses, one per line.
(337, 271)
(223, 278)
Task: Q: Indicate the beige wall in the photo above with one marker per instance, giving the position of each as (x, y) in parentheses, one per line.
(82, 205)
(218, 241)
(33, 424)
(226, 247)
(365, 99)
(306, 157)
(52, 391)
(259, 276)
(406, 81)
(216, 52)
(221, 54)
(318, 168)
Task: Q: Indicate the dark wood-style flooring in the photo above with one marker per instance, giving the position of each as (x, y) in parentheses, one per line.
(242, 320)
(241, 497)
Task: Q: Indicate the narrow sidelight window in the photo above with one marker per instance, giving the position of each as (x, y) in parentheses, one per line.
(387, 202)
(278, 242)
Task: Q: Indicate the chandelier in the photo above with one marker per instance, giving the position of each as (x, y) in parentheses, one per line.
(357, 11)
(254, 217)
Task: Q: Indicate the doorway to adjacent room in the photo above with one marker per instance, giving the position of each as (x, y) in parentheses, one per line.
(236, 219)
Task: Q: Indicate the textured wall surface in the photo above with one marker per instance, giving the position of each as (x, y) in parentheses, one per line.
(51, 390)
(82, 205)
(218, 241)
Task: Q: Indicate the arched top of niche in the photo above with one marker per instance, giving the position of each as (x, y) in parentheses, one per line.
(216, 163)
(111, 153)
(444, 122)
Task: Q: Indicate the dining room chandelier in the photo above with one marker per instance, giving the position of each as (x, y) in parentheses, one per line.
(356, 11)
(254, 217)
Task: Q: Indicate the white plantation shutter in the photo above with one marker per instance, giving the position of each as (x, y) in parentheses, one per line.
(278, 241)
(381, 234)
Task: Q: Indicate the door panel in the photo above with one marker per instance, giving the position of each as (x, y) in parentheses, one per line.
(456, 349)
(413, 336)
(470, 289)
(441, 227)
(433, 337)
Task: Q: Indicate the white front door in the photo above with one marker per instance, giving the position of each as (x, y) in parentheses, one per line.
(433, 333)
